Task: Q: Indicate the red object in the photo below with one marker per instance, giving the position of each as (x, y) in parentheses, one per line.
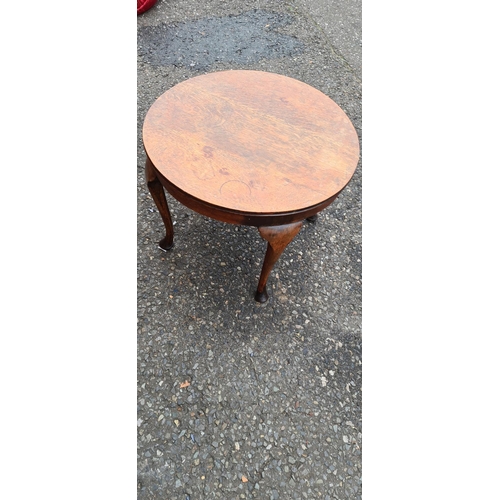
(144, 5)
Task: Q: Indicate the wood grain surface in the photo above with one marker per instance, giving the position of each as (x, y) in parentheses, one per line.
(251, 141)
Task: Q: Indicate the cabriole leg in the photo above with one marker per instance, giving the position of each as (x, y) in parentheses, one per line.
(277, 237)
(156, 189)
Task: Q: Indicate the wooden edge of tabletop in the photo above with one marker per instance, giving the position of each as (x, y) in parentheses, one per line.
(238, 217)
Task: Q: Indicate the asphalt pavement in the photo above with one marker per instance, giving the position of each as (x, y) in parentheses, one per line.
(238, 399)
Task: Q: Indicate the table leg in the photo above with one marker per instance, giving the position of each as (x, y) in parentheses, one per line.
(313, 218)
(158, 194)
(278, 237)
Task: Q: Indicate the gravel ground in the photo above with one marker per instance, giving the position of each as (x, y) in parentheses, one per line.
(238, 399)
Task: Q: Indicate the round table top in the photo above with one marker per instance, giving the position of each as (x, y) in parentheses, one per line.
(251, 141)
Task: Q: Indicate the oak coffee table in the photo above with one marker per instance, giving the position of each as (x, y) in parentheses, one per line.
(251, 148)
